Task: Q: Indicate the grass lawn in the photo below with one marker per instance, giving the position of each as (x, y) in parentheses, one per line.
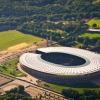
(10, 68)
(94, 21)
(56, 31)
(59, 88)
(13, 37)
(91, 35)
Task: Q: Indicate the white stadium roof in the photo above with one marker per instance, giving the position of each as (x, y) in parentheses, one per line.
(35, 62)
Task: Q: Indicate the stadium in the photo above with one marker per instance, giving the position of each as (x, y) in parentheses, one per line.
(61, 64)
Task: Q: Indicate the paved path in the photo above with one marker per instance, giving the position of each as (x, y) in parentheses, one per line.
(28, 77)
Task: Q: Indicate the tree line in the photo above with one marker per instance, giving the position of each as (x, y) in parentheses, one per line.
(87, 94)
(36, 17)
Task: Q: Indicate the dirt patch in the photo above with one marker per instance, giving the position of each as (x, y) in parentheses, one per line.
(34, 92)
(9, 87)
(17, 47)
(4, 80)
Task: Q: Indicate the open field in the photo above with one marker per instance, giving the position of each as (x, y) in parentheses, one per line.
(10, 68)
(91, 35)
(94, 21)
(13, 37)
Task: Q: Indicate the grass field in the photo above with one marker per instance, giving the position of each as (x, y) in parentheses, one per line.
(13, 37)
(94, 21)
(91, 35)
(10, 68)
(59, 88)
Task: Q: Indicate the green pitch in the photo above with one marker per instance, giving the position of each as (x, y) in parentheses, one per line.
(13, 37)
(94, 21)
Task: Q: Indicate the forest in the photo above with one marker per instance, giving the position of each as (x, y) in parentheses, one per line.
(63, 20)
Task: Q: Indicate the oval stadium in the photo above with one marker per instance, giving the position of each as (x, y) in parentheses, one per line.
(61, 64)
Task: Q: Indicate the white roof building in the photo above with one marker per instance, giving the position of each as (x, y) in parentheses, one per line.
(35, 62)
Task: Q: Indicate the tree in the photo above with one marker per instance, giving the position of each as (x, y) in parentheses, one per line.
(70, 93)
(98, 43)
(16, 94)
(90, 94)
(94, 25)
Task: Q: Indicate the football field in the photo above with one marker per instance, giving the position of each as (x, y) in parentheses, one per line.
(13, 37)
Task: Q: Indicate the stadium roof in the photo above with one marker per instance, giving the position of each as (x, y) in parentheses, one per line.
(35, 62)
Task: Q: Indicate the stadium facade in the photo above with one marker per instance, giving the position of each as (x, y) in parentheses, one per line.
(61, 64)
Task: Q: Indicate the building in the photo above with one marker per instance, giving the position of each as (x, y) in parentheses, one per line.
(61, 64)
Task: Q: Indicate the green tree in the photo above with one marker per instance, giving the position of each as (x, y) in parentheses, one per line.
(98, 43)
(94, 25)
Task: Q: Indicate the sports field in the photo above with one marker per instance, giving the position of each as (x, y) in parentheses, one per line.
(13, 37)
(94, 21)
